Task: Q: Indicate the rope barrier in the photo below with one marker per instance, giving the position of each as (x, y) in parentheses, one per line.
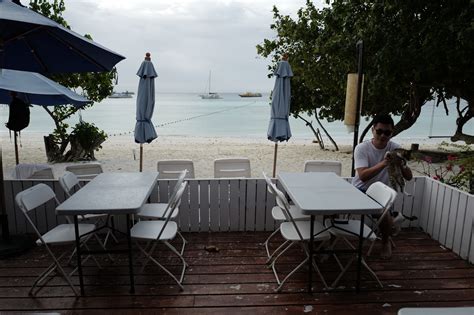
(188, 118)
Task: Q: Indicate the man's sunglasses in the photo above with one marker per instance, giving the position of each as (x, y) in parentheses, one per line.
(382, 131)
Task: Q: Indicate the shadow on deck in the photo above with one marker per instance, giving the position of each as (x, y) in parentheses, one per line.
(236, 280)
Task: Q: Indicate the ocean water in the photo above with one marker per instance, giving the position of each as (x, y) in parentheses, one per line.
(186, 114)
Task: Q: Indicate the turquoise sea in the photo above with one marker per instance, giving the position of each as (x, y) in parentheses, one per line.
(186, 114)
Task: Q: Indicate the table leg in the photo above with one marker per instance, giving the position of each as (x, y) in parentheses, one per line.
(78, 254)
(359, 252)
(130, 258)
(310, 265)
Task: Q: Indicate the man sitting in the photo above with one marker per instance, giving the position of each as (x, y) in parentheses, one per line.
(370, 162)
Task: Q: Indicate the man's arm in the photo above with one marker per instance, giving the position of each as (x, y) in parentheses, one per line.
(367, 173)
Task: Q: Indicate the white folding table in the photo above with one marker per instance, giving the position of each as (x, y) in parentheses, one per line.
(114, 194)
(328, 194)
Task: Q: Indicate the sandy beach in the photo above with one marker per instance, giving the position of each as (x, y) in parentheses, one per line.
(120, 153)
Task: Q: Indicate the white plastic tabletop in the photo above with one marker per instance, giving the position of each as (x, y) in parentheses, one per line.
(325, 193)
(113, 193)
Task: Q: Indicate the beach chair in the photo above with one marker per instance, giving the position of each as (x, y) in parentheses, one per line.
(279, 216)
(70, 183)
(347, 230)
(232, 167)
(62, 234)
(296, 232)
(33, 171)
(323, 166)
(171, 169)
(85, 171)
(160, 231)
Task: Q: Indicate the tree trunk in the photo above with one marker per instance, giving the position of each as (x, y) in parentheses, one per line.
(53, 152)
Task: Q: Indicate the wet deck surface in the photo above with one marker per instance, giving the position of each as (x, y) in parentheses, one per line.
(235, 280)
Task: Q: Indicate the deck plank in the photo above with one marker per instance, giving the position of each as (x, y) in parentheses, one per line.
(235, 280)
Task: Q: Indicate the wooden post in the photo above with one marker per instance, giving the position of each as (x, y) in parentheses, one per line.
(141, 157)
(275, 159)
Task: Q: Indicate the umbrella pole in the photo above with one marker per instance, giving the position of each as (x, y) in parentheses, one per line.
(141, 157)
(3, 206)
(275, 159)
(17, 160)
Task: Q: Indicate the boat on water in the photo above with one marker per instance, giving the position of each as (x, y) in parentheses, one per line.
(250, 94)
(210, 95)
(125, 94)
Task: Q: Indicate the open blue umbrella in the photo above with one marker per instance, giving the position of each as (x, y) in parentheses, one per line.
(37, 89)
(279, 127)
(144, 130)
(34, 88)
(32, 42)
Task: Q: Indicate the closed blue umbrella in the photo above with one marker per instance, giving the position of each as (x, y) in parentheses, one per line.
(32, 42)
(279, 127)
(144, 130)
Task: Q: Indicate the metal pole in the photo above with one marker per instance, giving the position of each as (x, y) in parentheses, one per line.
(3, 206)
(275, 159)
(360, 49)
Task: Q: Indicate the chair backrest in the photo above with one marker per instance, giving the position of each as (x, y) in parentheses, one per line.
(85, 170)
(323, 166)
(281, 200)
(173, 204)
(68, 181)
(232, 167)
(43, 174)
(171, 169)
(384, 195)
(34, 197)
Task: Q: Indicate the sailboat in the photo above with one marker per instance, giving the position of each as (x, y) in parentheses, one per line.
(210, 95)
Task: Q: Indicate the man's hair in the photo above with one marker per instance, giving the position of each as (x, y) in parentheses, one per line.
(383, 119)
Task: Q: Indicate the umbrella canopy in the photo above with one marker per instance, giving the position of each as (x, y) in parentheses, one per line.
(32, 42)
(144, 130)
(35, 88)
(279, 127)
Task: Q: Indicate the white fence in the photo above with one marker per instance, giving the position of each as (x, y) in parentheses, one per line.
(211, 205)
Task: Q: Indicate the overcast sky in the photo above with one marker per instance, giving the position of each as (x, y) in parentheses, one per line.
(186, 38)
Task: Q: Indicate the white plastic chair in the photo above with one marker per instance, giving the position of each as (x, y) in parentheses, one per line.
(323, 166)
(85, 171)
(158, 211)
(279, 216)
(31, 199)
(160, 231)
(468, 310)
(231, 168)
(171, 169)
(297, 232)
(349, 229)
(68, 182)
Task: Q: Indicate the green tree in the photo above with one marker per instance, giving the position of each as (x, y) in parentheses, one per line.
(415, 51)
(94, 86)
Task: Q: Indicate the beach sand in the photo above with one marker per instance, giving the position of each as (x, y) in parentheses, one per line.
(121, 154)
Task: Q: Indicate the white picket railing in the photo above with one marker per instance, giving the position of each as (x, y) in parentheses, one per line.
(211, 205)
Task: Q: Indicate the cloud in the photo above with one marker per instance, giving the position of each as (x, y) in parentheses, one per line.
(187, 38)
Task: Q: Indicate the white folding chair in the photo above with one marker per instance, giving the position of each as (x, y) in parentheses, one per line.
(171, 169)
(466, 310)
(323, 166)
(68, 182)
(85, 171)
(297, 232)
(279, 216)
(347, 230)
(158, 211)
(160, 231)
(231, 168)
(31, 199)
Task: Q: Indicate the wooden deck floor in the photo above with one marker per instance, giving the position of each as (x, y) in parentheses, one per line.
(235, 280)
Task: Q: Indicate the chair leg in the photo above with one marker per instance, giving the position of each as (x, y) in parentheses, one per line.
(277, 251)
(267, 241)
(184, 242)
(364, 263)
(54, 266)
(161, 266)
